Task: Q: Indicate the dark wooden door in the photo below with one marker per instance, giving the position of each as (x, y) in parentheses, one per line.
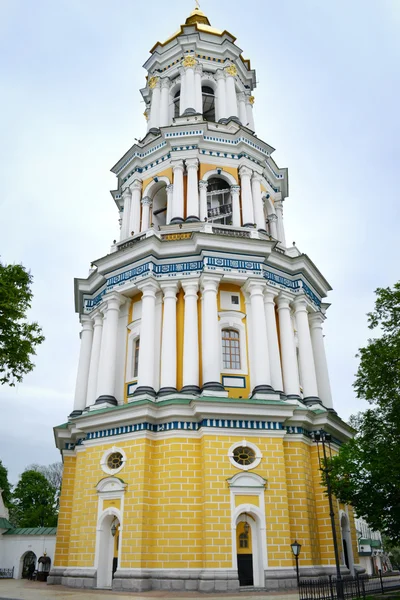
(245, 569)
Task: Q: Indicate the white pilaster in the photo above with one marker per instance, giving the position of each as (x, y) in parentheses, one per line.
(147, 333)
(127, 196)
(168, 342)
(249, 111)
(242, 108)
(260, 376)
(235, 195)
(321, 366)
(197, 83)
(247, 201)
(306, 357)
(190, 339)
(203, 199)
(177, 215)
(182, 95)
(231, 100)
(221, 95)
(155, 102)
(278, 205)
(164, 109)
(192, 208)
(134, 220)
(146, 205)
(83, 365)
(94, 358)
(106, 376)
(288, 349)
(188, 83)
(211, 357)
(273, 344)
(170, 199)
(258, 208)
(272, 222)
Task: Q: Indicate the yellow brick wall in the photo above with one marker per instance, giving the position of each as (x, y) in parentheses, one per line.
(61, 555)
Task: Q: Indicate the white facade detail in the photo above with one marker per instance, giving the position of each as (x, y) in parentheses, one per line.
(84, 364)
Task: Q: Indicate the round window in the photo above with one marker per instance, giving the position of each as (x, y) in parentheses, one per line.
(244, 455)
(115, 460)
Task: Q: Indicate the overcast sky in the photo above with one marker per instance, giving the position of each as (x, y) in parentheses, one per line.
(327, 99)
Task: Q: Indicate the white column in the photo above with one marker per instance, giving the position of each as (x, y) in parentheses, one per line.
(249, 111)
(279, 213)
(164, 111)
(147, 333)
(258, 208)
(273, 344)
(211, 356)
(247, 201)
(182, 95)
(231, 100)
(306, 357)
(321, 366)
(260, 376)
(242, 109)
(106, 378)
(203, 185)
(190, 339)
(288, 349)
(134, 220)
(192, 207)
(155, 108)
(178, 208)
(189, 97)
(127, 196)
(235, 191)
(146, 205)
(94, 359)
(170, 199)
(272, 220)
(168, 342)
(197, 83)
(221, 95)
(83, 365)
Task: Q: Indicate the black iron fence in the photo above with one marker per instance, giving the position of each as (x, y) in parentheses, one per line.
(349, 588)
(7, 573)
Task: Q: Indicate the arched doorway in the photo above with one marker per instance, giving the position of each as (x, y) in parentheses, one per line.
(346, 542)
(107, 549)
(28, 561)
(219, 202)
(244, 549)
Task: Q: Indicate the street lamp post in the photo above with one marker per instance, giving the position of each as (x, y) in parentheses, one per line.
(325, 440)
(296, 547)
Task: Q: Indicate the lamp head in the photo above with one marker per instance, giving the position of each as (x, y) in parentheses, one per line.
(296, 547)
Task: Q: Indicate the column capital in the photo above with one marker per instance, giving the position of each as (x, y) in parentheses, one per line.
(177, 165)
(198, 68)
(126, 192)
(153, 81)
(235, 189)
(231, 70)
(203, 185)
(254, 287)
(278, 205)
(112, 301)
(272, 217)
(189, 62)
(316, 319)
(192, 163)
(210, 282)
(170, 188)
(147, 201)
(170, 289)
(270, 295)
(149, 288)
(86, 322)
(241, 97)
(190, 287)
(245, 171)
(97, 318)
(300, 304)
(220, 74)
(284, 300)
(256, 177)
(136, 184)
(165, 82)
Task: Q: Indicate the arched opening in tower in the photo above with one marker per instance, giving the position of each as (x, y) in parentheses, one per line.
(208, 103)
(160, 207)
(177, 100)
(219, 201)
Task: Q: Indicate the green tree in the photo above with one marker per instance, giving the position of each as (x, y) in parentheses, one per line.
(34, 501)
(5, 485)
(18, 337)
(366, 472)
(53, 474)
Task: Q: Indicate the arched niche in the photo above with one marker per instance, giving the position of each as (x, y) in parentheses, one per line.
(157, 191)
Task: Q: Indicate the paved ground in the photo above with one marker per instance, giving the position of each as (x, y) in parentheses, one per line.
(21, 589)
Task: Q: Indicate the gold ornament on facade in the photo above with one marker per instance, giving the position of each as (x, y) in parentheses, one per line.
(251, 99)
(146, 116)
(231, 70)
(189, 61)
(153, 82)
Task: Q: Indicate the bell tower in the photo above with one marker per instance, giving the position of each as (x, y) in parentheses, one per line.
(189, 461)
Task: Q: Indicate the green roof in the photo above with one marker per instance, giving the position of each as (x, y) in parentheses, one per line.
(5, 524)
(32, 531)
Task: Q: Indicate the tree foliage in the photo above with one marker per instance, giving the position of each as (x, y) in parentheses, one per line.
(366, 472)
(34, 501)
(18, 337)
(53, 474)
(5, 485)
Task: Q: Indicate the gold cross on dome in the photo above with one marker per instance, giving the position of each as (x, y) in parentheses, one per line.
(197, 4)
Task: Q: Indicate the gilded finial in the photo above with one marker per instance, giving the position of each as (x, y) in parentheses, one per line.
(197, 4)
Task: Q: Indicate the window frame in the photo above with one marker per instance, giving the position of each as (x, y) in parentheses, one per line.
(232, 319)
(231, 346)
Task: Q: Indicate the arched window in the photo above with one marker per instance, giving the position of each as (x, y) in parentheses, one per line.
(230, 349)
(219, 202)
(208, 103)
(243, 540)
(177, 99)
(136, 349)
